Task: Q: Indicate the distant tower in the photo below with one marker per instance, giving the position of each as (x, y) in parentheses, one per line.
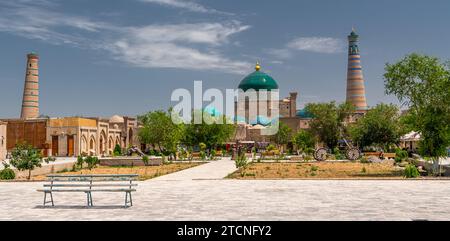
(30, 101)
(356, 92)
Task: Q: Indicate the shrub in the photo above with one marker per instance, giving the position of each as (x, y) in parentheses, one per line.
(241, 163)
(271, 148)
(314, 168)
(411, 171)
(400, 155)
(7, 174)
(364, 170)
(308, 158)
(202, 146)
(117, 150)
(212, 155)
(64, 170)
(364, 160)
(91, 162)
(145, 159)
(202, 155)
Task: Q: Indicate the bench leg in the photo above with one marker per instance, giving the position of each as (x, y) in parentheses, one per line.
(128, 201)
(131, 200)
(89, 199)
(51, 199)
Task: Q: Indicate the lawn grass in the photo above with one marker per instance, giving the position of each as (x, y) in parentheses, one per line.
(144, 172)
(318, 170)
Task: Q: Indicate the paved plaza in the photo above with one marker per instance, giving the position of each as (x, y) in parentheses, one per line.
(200, 194)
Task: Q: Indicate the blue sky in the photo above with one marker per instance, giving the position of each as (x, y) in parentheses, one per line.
(105, 57)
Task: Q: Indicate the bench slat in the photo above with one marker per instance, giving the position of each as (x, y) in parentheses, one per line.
(95, 175)
(87, 190)
(88, 185)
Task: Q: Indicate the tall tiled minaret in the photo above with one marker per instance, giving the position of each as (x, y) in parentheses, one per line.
(30, 101)
(356, 92)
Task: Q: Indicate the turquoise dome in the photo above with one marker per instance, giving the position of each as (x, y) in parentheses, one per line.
(304, 114)
(258, 80)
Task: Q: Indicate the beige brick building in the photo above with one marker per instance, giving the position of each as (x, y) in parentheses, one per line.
(73, 136)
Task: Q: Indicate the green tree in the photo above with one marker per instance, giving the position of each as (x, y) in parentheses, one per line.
(283, 135)
(379, 127)
(7, 173)
(213, 131)
(328, 121)
(25, 157)
(159, 130)
(422, 83)
(304, 141)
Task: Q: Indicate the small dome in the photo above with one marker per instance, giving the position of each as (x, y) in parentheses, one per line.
(212, 111)
(304, 114)
(258, 80)
(261, 120)
(116, 119)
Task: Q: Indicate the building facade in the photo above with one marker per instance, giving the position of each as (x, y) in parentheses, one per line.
(67, 136)
(73, 136)
(252, 119)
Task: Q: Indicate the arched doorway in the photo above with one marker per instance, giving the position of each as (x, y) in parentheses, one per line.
(117, 141)
(130, 137)
(84, 145)
(92, 151)
(110, 145)
(102, 143)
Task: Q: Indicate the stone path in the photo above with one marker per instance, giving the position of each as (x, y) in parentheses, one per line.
(212, 170)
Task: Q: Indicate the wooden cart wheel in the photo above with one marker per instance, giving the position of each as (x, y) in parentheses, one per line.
(321, 154)
(353, 154)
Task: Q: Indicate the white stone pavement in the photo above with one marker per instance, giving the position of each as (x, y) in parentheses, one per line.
(212, 170)
(182, 196)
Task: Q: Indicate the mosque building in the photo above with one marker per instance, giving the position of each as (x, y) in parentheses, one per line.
(66, 136)
(252, 122)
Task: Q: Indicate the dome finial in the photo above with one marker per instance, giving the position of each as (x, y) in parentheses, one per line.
(258, 66)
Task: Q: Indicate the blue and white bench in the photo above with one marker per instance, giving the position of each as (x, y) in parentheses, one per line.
(89, 184)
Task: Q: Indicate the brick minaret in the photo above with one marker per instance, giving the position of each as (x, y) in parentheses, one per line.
(356, 92)
(30, 101)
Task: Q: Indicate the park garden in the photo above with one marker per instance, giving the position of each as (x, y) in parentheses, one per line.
(337, 144)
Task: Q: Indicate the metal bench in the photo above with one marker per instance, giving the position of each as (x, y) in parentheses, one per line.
(89, 184)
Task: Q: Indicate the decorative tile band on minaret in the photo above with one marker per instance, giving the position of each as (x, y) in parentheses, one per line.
(30, 101)
(356, 92)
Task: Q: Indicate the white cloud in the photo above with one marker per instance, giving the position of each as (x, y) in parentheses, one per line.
(281, 53)
(30, 20)
(318, 45)
(185, 4)
(185, 46)
(204, 33)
